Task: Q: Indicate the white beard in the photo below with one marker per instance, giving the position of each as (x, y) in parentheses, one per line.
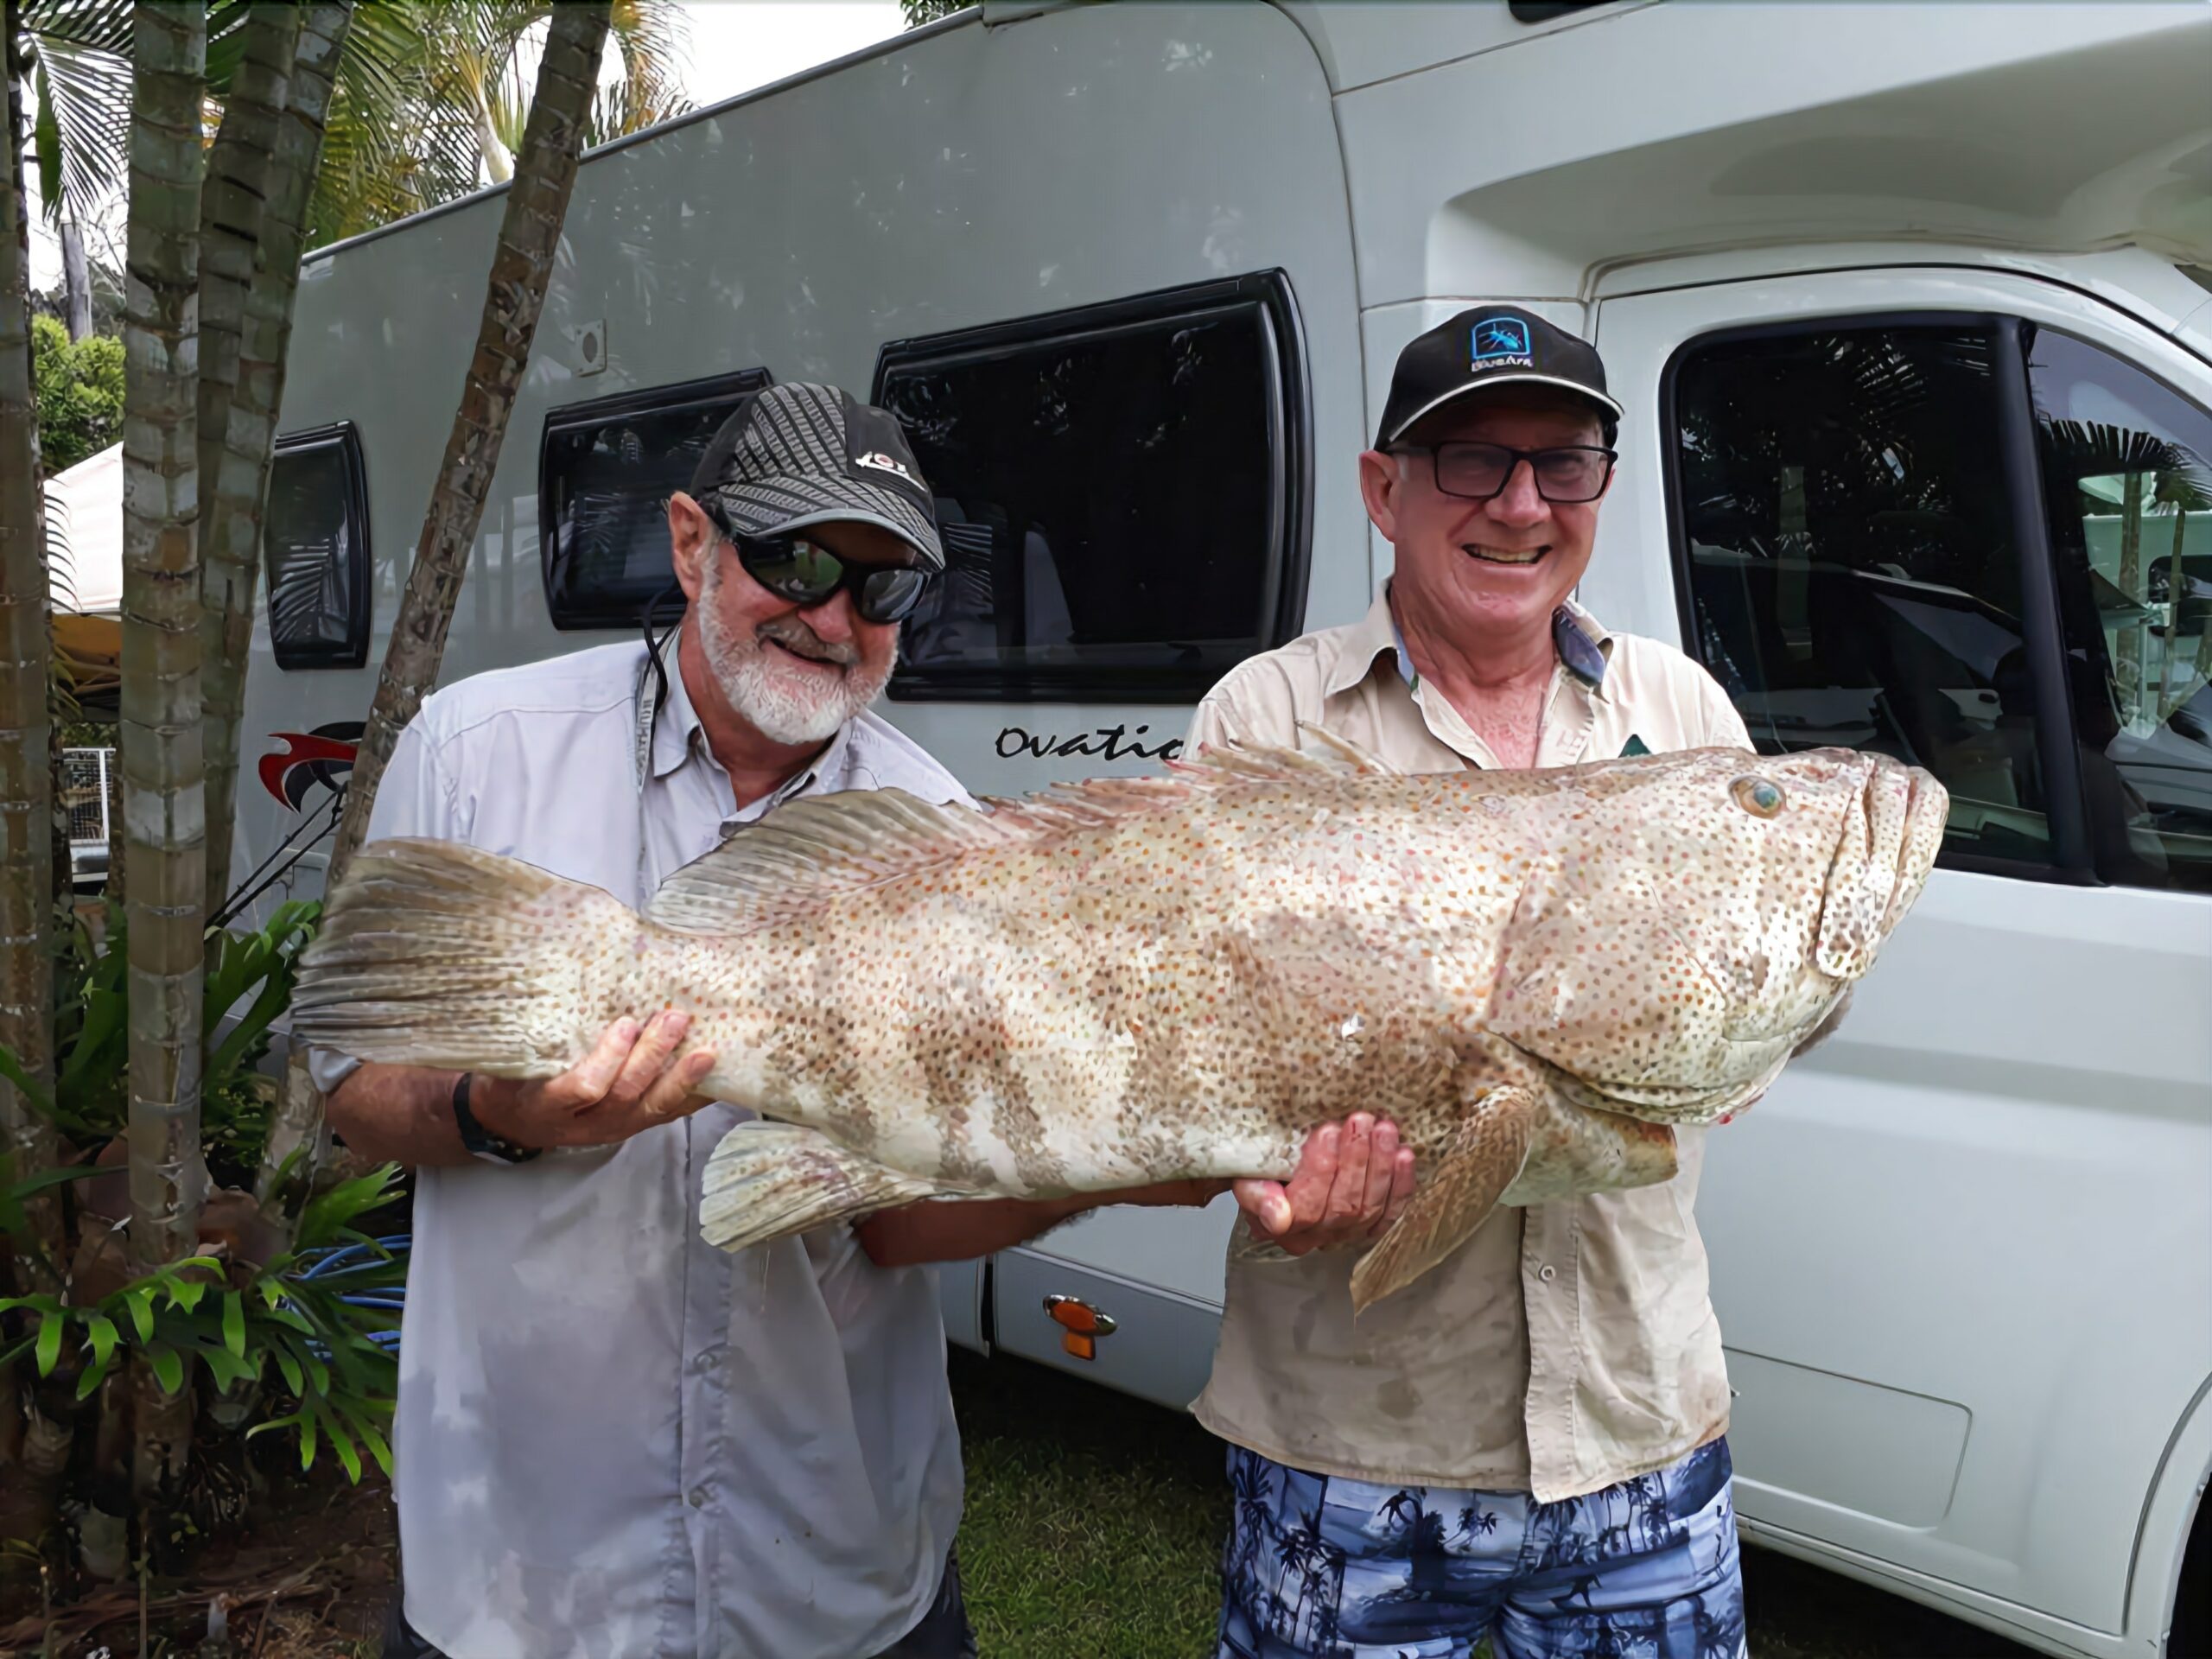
(784, 703)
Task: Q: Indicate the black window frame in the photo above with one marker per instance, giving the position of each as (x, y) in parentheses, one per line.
(1289, 529)
(1543, 11)
(360, 587)
(2074, 860)
(567, 616)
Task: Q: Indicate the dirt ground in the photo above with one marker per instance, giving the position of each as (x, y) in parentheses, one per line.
(312, 1576)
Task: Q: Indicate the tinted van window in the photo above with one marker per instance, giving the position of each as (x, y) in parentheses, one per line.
(316, 545)
(606, 470)
(1854, 578)
(1122, 493)
(2128, 488)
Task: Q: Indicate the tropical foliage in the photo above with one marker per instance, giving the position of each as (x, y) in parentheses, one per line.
(78, 385)
(429, 100)
(174, 1278)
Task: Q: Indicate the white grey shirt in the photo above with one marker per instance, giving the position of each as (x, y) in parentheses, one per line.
(613, 1439)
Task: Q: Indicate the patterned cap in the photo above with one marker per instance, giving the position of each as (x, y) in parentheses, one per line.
(800, 454)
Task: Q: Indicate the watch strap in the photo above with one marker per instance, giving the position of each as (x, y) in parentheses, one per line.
(479, 1142)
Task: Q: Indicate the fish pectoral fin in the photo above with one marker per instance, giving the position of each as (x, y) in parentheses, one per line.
(1485, 1158)
(1245, 1245)
(767, 1181)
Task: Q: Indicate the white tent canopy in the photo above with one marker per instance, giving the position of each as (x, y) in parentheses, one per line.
(85, 505)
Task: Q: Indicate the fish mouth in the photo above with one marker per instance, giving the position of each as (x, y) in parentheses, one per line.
(1510, 557)
(1891, 836)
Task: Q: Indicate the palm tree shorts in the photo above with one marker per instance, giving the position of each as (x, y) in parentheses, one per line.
(1319, 1568)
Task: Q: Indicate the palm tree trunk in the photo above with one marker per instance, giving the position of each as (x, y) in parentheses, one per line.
(522, 265)
(230, 213)
(163, 806)
(2128, 669)
(76, 280)
(2176, 588)
(241, 493)
(27, 1139)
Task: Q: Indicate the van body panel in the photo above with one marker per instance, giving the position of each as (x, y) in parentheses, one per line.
(1469, 181)
(2171, 1516)
(705, 250)
(2012, 1132)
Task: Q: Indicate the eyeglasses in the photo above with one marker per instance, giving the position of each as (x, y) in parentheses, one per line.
(809, 573)
(1478, 471)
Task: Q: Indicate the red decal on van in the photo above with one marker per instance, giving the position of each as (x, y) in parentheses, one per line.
(305, 759)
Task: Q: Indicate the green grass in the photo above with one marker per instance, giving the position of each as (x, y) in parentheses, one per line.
(1094, 1523)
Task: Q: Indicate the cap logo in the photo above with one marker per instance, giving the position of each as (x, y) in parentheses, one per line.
(884, 463)
(1502, 342)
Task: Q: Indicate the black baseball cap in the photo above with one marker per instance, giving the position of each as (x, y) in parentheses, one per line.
(800, 454)
(1486, 347)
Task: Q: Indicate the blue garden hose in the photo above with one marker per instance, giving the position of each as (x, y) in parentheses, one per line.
(388, 1298)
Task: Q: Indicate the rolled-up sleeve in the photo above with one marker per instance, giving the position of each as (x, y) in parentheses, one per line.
(415, 797)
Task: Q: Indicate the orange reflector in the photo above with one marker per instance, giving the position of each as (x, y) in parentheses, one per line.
(1080, 1325)
(1076, 1316)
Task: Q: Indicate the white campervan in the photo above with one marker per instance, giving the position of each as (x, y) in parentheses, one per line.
(1911, 310)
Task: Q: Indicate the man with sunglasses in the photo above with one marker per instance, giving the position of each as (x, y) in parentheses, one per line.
(611, 1438)
(1528, 1444)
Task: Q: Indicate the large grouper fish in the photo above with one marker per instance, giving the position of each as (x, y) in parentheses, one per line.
(1536, 974)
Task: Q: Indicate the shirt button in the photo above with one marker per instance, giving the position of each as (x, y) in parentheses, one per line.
(703, 1365)
(698, 1497)
(1547, 1273)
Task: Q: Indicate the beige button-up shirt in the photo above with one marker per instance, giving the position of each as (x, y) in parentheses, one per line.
(1567, 1346)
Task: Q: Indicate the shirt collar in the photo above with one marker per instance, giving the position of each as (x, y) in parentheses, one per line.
(1583, 646)
(676, 732)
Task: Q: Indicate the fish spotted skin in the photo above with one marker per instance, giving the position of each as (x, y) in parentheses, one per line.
(1535, 974)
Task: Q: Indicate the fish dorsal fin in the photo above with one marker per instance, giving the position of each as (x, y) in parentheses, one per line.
(1331, 757)
(805, 853)
(1348, 754)
(810, 850)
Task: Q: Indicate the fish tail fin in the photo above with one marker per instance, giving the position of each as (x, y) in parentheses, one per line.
(435, 954)
(1485, 1158)
(768, 1180)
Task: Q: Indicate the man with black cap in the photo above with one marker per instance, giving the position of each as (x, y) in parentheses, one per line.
(1529, 1444)
(611, 1438)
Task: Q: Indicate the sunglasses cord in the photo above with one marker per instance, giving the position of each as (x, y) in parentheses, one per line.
(653, 647)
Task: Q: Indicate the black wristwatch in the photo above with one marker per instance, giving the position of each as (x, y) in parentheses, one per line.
(480, 1142)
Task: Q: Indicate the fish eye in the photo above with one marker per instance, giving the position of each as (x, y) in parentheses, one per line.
(1756, 796)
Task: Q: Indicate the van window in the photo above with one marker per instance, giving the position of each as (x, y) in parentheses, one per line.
(2129, 496)
(604, 472)
(1123, 494)
(315, 544)
(1858, 520)
(1853, 577)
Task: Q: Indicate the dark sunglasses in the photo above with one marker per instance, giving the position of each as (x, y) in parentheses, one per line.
(1478, 471)
(808, 574)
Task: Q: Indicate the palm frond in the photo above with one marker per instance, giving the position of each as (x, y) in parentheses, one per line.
(654, 37)
(226, 21)
(60, 560)
(2079, 449)
(102, 25)
(82, 126)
